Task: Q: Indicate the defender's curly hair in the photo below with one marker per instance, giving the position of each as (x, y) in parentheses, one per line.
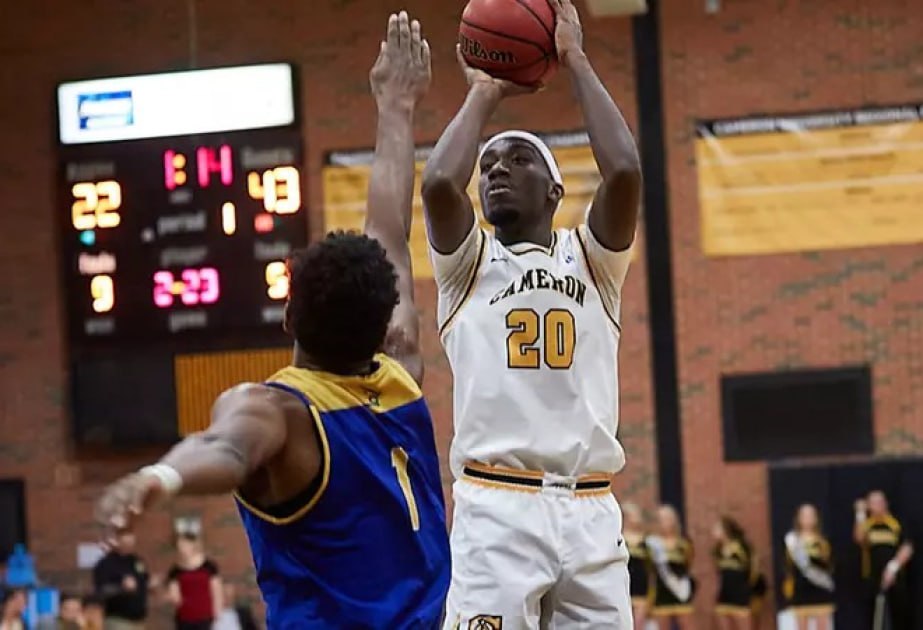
(343, 291)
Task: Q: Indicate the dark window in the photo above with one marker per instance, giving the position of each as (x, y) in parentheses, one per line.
(12, 516)
(793, 414)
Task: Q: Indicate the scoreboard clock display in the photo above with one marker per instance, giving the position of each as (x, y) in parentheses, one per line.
(180, 199)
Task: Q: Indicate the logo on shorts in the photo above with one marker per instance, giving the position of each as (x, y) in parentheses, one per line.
(486, 622)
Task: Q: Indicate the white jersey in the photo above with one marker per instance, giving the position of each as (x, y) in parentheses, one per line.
(532, 336)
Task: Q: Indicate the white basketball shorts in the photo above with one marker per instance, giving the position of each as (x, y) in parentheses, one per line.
(533, 550)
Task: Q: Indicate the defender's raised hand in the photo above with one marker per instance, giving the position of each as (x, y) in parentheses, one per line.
(402, 73)
(568, 33)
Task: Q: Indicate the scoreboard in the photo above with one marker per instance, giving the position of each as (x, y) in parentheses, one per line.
(179, 200)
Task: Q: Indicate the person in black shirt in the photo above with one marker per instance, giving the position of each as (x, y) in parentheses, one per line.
(741, 585)
(809, 586)
(639, 563)
(885, 554)
(671, 556)
(121, 579)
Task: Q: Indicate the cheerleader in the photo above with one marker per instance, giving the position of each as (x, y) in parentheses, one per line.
(639, 564)
(671, 557)
(739, 581)
(809, 583)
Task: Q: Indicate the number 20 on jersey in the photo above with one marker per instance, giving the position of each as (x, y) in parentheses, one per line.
(534, 339)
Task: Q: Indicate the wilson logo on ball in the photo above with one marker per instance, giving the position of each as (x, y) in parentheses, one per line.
(475, 50)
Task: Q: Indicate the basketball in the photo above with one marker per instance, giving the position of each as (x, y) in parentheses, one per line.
(510, 39)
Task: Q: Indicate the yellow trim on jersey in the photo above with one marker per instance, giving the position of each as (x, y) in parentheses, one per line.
(592, 492)
(473, 275)
(389, 387)
(534, 247)
(530, 475)
(592, 274)
(500, 485)
(594, 477)
(672, 611)
(810, 611)
(325, 479)
(510, 472)
(736, 611)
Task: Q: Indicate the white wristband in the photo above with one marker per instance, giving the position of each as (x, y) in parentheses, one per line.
(169, 479)
(861, 516)
(893, 567)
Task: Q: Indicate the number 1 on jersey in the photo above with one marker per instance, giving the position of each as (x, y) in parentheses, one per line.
(560, 338)
(399, 460)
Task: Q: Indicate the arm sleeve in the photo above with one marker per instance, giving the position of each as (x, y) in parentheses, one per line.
(455, 273)
(609, 266)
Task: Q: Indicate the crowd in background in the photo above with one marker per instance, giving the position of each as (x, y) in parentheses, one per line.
(124, 590)
(663, 587)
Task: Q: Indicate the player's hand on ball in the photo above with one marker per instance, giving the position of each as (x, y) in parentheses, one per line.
(480, 79)
(125, 500)
(568, 34)
(402, 73)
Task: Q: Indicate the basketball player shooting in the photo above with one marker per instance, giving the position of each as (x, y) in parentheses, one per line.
(332, 460)
(529, 318)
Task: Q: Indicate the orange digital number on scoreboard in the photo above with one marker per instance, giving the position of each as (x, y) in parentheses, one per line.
(96, 205)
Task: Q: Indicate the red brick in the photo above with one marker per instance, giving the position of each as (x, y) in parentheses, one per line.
(750, 57)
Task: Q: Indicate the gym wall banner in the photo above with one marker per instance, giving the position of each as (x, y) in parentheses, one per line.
(826, 180)
(346, 178)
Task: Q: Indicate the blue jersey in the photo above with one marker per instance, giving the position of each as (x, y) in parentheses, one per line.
(367, 547)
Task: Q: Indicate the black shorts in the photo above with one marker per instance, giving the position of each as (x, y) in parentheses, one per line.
(194, 625)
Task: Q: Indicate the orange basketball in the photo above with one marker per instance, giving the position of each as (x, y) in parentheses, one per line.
(510, 39)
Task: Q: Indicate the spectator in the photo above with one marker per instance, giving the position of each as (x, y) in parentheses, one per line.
(194, 585)
(12, 609)
(739, 584)
(671, 556)
(93, 613)
(121, 579)
(70, 612)
(885, 554)
(809, 583)
(639, 564)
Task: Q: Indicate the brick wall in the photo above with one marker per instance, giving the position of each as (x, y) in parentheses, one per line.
(797, 310)
(793, 310)
(333, 42)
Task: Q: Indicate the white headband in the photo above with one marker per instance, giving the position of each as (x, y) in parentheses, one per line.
(536, 142)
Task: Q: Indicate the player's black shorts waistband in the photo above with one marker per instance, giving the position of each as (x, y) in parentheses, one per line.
(534, 481)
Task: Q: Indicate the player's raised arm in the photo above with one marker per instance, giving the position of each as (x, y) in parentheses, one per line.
(614, 213)
(248, 429)
(399, 79)
(449, 213)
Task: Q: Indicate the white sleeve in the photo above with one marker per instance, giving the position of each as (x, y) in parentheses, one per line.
(455, 272)
(608, 267)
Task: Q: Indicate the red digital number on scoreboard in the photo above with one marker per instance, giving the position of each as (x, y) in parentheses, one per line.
(192, 287)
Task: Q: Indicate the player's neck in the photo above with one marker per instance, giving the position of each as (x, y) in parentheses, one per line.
(305, 361)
